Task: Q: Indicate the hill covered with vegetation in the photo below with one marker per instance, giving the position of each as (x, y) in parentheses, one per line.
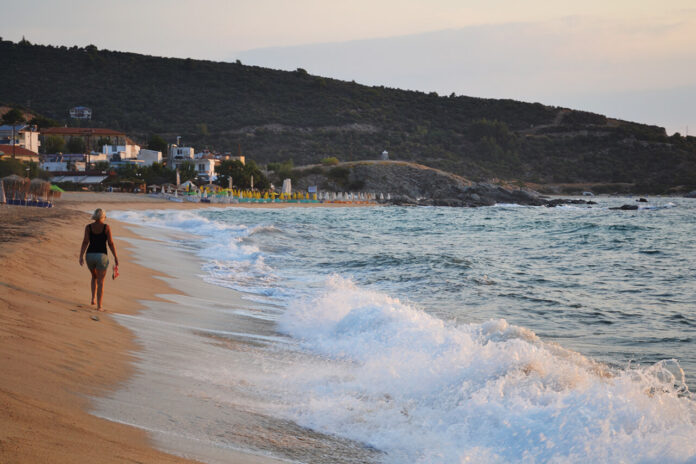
(274, 116)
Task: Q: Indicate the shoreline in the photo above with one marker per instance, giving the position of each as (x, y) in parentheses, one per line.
(59, 353)
(145, 201)
(209, 356)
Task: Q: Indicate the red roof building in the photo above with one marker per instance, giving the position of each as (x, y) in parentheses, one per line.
(81, 132)
(90, 135)
(20, 153)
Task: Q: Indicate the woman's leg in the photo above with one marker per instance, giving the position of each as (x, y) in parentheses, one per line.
(101, 274)
(94, 285)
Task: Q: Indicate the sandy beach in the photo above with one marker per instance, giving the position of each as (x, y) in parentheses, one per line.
(58, 351)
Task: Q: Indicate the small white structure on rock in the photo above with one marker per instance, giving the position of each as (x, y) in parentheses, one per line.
(385, 155)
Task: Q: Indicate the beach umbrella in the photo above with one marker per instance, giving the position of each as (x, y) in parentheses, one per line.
(13, 182)
(15, 186)
(39, 188)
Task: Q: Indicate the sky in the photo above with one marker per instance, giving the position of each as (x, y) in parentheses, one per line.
(630, 59)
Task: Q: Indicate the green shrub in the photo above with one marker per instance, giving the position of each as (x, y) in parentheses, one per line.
(330, 161)
(339, 174)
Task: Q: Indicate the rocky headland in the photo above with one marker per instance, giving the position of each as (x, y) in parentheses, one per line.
(407, 183)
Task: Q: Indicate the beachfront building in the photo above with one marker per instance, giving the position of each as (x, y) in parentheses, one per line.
(61, 162)
(19, 153)
(148, 157)
(63, 166)
(121, 152)
(180, 153)
(25, 136)
(96, 157)
(228, 156)
(54, 166)
(205, 167)
(91, 137)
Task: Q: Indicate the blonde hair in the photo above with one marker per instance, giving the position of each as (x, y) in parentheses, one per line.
(98, 214)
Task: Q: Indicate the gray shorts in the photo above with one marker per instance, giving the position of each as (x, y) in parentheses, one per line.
(98, 261)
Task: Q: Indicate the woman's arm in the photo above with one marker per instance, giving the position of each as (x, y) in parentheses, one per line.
(110, 241)
(85, 244)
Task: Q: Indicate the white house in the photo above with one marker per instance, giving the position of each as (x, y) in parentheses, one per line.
(180, 153)
(24, 136)
(62, 166)
(128, 151)
(81, 112)
(54, 166)
(97, 157)
(205, 167)
(148, 157)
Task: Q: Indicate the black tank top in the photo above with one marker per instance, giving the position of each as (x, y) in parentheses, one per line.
(97, 242)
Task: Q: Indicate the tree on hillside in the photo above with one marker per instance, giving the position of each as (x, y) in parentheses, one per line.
(241, 174)
(11, 166)
(260, 181)
(187, 171)
(157, 173)
(103, 141)
(76, 145)
(53, 144)
(13, 118)
(282, 170)
(230, 169)
(42, 122)
(157, 143)
(102, 166)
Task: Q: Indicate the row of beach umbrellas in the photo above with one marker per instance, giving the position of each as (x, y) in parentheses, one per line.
(14, 187)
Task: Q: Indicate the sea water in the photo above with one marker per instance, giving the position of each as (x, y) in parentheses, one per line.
(447, 335)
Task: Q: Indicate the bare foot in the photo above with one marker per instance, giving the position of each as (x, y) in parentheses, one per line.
(93, 302)
(101, 309)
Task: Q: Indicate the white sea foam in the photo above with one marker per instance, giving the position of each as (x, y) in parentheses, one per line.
(510, 205)
(665, 206)
(230, 261)
(423, 390)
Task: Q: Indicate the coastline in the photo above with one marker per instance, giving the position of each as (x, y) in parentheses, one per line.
(56, 357)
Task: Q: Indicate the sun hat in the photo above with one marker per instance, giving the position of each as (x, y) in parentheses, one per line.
(98, 214)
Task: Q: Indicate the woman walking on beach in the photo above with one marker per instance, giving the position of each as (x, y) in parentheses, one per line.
(97, 236)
